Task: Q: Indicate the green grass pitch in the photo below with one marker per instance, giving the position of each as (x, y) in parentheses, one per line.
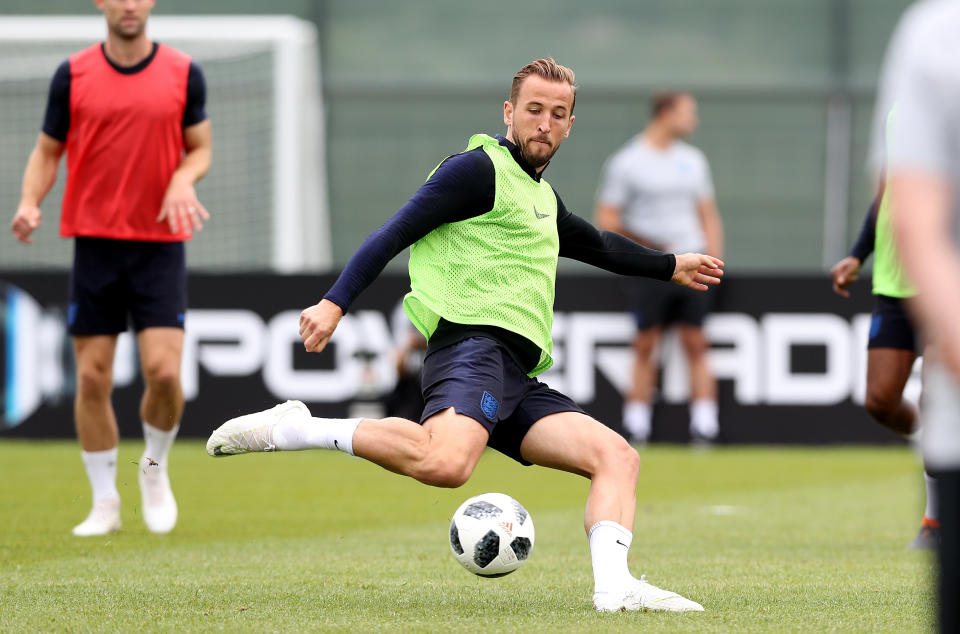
(769, 540)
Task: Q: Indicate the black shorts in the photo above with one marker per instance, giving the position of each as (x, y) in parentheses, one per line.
(478, 378)
(659, 303)
(112, 280)
(891, 326)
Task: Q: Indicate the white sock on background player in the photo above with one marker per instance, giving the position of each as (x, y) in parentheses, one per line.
(104, 516)
(101, 469)
(704, 419)
(157, 442)
(159, 505)
(636, 419)
(609, 544)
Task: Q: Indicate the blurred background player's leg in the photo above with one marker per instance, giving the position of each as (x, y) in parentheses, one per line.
(941, 450)
(704, 422)
(160, 413)
(691, 311)
(97, 431)
(638, 404)
(888, 370)
(891, 353)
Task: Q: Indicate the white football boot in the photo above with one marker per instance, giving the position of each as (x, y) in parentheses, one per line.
(253, 432)
(159, 507)
(640, 595)
(104, 518)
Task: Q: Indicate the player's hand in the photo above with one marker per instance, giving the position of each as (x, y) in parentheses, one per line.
(844, 273)
(695, 270)
(317, 324)
(26, 219)
(181, 209)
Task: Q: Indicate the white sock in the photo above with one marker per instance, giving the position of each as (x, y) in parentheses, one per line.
(294, 434)
(609, 544)
(703, 418)
(157, 442)
(931, 512)
(102, 471)
(636, 419)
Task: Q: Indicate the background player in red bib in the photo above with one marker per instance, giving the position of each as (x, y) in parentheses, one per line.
(129, 113)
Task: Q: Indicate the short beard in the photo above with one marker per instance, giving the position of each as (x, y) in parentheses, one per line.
(533, 160)
(123, 35)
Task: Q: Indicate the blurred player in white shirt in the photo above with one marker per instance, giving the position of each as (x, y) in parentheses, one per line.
(657, 190)
(922, 76)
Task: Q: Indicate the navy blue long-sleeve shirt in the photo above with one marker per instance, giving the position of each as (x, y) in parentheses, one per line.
(463, 187)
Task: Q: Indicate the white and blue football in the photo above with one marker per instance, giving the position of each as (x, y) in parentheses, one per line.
(491, 535)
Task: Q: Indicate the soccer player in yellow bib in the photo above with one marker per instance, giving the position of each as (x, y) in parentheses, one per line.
(893, 343)
(485, 232)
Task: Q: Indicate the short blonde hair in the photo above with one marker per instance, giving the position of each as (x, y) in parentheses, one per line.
(548, 69)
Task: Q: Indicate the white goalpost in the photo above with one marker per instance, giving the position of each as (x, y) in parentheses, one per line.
(267, 189)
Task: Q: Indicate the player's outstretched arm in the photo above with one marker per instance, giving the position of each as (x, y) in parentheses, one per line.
(38, 178)
(696, 271)
(317, 324)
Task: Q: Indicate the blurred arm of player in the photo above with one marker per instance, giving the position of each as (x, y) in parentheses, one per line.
(922, 224)
(846, 271)
(180, 207)
(712, 226)
(38, 179)
(607, 217)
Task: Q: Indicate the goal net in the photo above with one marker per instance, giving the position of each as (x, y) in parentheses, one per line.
(266, 190)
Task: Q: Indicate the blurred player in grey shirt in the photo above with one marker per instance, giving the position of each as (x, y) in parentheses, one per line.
(657, 190)
(922, 76)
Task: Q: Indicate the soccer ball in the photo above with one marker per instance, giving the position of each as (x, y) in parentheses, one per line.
(491, 535)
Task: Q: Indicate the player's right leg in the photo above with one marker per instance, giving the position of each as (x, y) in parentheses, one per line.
(97, 430)
(638, 403)
(651, 306)
(443, 451)
(96, 315)
(466, 377)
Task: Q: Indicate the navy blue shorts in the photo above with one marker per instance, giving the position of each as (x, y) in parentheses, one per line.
(891, 326)
(660, 304)
(113, 280)
(478, 378)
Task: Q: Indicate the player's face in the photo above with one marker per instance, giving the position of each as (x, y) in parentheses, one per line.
(540, 120)
(126, 18)
(683, 116)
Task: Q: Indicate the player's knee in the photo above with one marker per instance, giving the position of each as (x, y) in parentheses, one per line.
(162, 377)
(643, 347)
(93, 382)
(447, 475)
(880, 405)
(616, 454)
(694, 344)
(629, 459)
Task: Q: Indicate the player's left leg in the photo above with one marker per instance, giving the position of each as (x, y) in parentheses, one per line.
(574, 442)
(704, 418)
(690, 312)
(160, 412)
